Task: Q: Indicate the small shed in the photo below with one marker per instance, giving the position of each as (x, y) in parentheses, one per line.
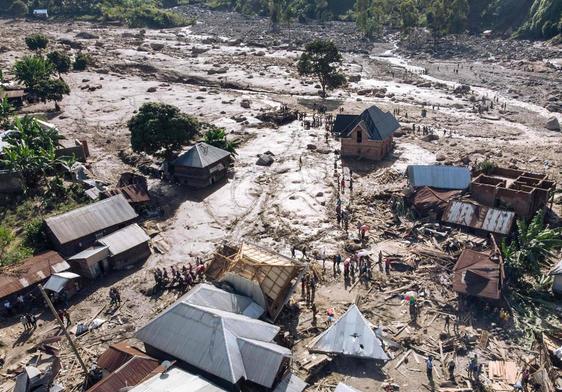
(557, 273)
(127, 246)
(92, 262)
(438, 176)
(41, 13)
(67, 282)
(202, 165)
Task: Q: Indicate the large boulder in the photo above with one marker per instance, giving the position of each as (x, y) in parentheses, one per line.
(552, 124)
(264, 160)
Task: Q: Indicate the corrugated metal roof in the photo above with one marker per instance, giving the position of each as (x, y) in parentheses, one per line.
(341, 387)
(380, 125)
(342, 122)
(91, 219)
(436, 176)
(290, 383)
(134, 193)
(478, 274)
(177, 380)
(117, 355)
(130, 374)
(57, 281)
(557, 269)
(259, 358)
(95, 253)
(351, 336)
(201, 155)
(215, 341)
(479, 217)
(213, 297)
(31, 271)
(124, 239)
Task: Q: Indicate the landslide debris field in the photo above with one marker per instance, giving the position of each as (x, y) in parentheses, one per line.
(207, 70)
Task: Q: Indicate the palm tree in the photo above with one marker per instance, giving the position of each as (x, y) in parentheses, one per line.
(31, 70)
(217, 137)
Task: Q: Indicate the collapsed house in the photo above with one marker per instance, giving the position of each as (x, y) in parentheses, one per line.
(78, 149)
(479, 274)
(350, 336)
(133, 186)
(26, 276)
(76, 230)
(200, 166)
(522, 192)
(225, 344)
(265, 276)
(116, 251)
(477, 217)
(368, 135)
(438, 176)
(429, 201)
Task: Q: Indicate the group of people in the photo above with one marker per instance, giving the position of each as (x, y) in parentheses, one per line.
(308, 288)
(29, 321)
(21, 304)
(178, 278)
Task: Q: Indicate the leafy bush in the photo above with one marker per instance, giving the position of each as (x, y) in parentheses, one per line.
(217, 137)
(82, 61)
(36, 41)
(31, 70)
(145, 14)
(18, 9)
(34, 234)
(60, 60)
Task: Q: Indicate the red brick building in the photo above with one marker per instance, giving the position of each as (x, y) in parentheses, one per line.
(368, 135)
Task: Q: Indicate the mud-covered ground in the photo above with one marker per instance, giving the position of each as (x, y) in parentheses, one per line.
(292, 202)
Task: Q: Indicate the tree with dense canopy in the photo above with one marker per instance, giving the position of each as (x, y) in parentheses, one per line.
(31, 70)
(36, 41)
(60, 60)
(159, 127)
(322, 59)
(217, 137)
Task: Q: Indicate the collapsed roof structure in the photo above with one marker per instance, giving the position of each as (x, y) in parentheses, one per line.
(225, 344)
(479, 274)
(478, 217)
(265, 276)
(351, 336)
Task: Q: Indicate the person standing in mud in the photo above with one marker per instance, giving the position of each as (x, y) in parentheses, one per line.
(312, 289)
(342, 184)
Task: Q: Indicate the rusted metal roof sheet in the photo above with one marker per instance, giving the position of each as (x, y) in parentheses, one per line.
(130, 374)
(438, 176)
(124, 239)
(479, 217)
(134, 193)
(117, 355)
(478, 274)
(33, 270)
(91, 219)
(427, 199)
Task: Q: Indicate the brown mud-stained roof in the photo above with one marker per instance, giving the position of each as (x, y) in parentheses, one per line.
(33, 270)
(479, 274)
(135, 371)
(427, 199)
(117, 355)
(91, 219)
(134, 193)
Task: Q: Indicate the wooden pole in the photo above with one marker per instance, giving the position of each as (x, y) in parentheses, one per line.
(61, 324)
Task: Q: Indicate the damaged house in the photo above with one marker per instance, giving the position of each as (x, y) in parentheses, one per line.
(200, 166)
(226, 345)
(368, 135)
(76, 230)
(479, 218)
(265, 276)
(522, 192)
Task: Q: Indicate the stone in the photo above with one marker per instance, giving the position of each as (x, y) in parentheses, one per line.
(320, 194)
(245, 103)
(156, 46)
(260, 53)
(431, 137)
(265, 160)
(311, 147)
(552, 124)
(440, 157)
(86, 35)
(554, 107)
(151, 90)
(354, 78)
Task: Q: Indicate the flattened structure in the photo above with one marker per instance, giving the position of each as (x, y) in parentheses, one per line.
(265, 276)
(479, 274)
(479, 217)
(350, 336)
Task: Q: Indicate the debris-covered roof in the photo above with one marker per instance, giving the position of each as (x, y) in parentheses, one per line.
(380, 125)
(177, 380)
(478, 274)
(31, 271)
(213, 297)
(201, 155)
(428, 199)
(117, 355)
(134, 193)
(351, 336)
(265, 276)
(479, 217)
(438, 176)
(227, 345)
(91, 219)
(124, 239)
(57, 281)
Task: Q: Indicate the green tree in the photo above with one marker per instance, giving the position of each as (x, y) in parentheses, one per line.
(33, 134)
(408, 15)
(275, 14)
(322, 60)
(31, 70)
(217, 137)
(6, 111)
(437, 18)
(36, 41)
(52, 90)
(60, 60)
(6, 237)
(18, 9)
(82, 61)
(458, 17)
(362, 14)
(160, 127)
